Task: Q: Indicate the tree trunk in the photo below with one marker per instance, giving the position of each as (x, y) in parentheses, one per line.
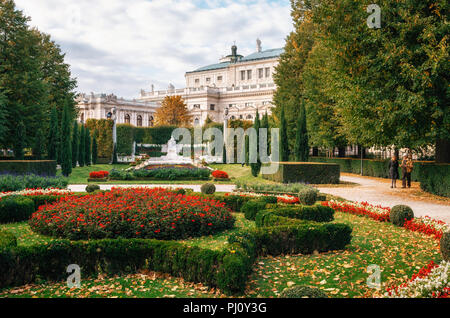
(442, 151)
(363, 150)
(315, 152)
(342, 152)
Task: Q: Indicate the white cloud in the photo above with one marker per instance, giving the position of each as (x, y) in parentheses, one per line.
(122, 46)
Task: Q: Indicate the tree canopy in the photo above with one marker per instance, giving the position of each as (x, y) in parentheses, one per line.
(173, 112)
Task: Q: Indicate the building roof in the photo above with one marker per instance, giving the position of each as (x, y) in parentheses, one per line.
(263, 55)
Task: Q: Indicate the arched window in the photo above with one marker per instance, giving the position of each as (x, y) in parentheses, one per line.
(196, 122)
(151, 121)
(109, 115)
(82, 117)
(127, 119)
(233, 117)
(139, 121)
(249, 117)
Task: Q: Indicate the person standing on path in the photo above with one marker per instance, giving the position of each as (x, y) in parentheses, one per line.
(393, 171)
(407, 168)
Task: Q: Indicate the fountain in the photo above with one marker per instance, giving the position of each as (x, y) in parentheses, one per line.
(171, 159)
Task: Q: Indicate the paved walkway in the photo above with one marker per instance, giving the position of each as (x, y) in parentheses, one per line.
(377, 191)
(195, 187)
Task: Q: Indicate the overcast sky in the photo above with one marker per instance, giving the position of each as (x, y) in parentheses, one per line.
(122, 46)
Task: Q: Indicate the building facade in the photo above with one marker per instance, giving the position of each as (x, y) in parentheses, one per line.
(241, 84)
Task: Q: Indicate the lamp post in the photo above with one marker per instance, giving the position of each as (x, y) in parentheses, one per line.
(225, 133)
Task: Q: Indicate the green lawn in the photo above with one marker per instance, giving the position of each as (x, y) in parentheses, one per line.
(398, 252)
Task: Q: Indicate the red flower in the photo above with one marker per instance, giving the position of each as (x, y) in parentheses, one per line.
(218, 174)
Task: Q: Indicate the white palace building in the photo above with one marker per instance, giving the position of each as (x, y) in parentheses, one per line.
(241, 84)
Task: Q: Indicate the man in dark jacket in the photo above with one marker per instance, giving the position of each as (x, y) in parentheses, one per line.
(393, 171)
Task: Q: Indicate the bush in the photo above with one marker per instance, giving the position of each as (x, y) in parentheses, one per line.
(435, 179)
(267, 188)
(25, 167)
(162, 174)
(18, 183)
(252, 207)
(310, 173)
(317, 213)
(300, 239)
(15, 209)
(7, 240)
(302, 292)
(132, 213)
(445, 246)
(92, 188)
(308, 196)
(233, 202)
(268, 199)
(98, 174)
(220, 174)
(208, 188)
(400, 214)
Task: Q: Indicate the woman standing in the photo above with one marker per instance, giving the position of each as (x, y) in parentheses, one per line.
(393, 171)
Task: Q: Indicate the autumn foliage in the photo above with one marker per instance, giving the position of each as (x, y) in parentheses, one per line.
(173, 112)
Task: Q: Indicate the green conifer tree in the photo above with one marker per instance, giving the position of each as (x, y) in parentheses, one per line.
(66, 143)
(301, 138)
(82, 147)
(53, 137)
(75, 144)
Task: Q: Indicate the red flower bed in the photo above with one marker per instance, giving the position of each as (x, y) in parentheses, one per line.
(132, 213)
(99, 174)
(220, 174)
(374, 212)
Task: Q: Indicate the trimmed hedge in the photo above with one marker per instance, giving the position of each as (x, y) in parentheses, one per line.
(435, 179)
(7, 240)
(308, 196)
(317, 213)
(15, 209)
(303, 172)
(445, 246)
(208, 188)
(233, 202)
(18, 183)
(252, 207)
(24, 167)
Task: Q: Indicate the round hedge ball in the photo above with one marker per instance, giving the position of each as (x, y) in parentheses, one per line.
(307, 196)
(445, 246)
(400, 214)
(208, 188)
(302, 292)
(92, 188)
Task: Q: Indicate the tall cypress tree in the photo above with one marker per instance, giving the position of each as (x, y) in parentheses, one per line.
(38, 147)
(87, 144)
(66, 143)
(265, 124)
(301, 139)
(256, 167)
(284, 146)
(75, 144)
(94, 148)
(53, 136)
(19, 143)
(82, 147)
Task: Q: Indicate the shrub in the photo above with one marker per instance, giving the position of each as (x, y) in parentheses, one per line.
(233, 202)
(98, 175)
(400, 214)
(435, 179)
(308, 196)
(268, 199)
(132, 213)
(317, 213)
(208, 188)
(7, 240)
(25, 167)
(302, 292)
(18, 183)
(15, 209)
(252, 207)
(265, 188)
(310, 173)
(445, 246)
(121, 175)
(92, 188)
(220, 174)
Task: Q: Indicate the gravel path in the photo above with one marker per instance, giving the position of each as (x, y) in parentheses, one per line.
(377, 191)
(195, 187)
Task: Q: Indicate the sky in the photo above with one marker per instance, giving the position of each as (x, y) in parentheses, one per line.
(123, 46)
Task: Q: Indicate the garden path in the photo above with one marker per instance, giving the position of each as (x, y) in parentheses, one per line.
(377, 191)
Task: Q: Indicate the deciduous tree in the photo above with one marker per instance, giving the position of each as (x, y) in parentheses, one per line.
(173, 112)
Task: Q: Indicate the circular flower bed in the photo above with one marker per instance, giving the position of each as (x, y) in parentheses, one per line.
(132, 213)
